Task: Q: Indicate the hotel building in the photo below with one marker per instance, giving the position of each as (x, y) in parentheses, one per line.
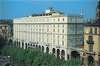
(51, 31)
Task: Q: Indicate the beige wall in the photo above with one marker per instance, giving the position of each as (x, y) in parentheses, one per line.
(96, 38)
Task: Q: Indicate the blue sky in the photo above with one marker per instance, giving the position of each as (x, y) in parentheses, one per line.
(10, 9)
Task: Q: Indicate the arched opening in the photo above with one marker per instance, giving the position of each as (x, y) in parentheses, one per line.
(47, 50)
(22, 44)
(53, 50)
(75, 54)
(58, 53)
(19, 44)
(16, 43)
(42, 48)
(25, 45)
(90, 60)
(10, 42)
(68, 56)
(29, 45)
(39, 47)
(33, 45)
(62, 54)
(36, 46)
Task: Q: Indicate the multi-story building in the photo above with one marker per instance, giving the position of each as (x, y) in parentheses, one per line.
(92, 40)
(50, 31)
(6, 28)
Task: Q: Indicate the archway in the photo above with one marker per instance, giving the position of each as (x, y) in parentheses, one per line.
(25, 45)
(19, 44)
(36, 46)
(39, 46)
(53, 50)
(22, 44)
(33, 45)
(10, 42)
(42, 48)
(58, 53)
(68, 56)
(62, 54)
(28, 45)
(47, 50)
(75, 54)
(16, 43)
(90, 60)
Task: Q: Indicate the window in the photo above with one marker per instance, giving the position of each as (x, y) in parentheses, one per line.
(53, 19)
(58, 25)
(54, 41)
(62, 42)
(53, 30)
(62, 30)
(95, 31)
(47, 30)
(62, 37)
(58, 30)
(91, 30)
(63, 19)
(53, 25)
(63, 25)
(58, 37)
(58, 19)
(40, 30)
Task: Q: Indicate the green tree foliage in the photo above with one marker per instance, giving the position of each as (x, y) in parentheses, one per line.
(35, 57)
(2, 43)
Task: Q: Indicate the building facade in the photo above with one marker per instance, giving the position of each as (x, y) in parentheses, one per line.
(6, 28)
(92, 40)
(50, 31)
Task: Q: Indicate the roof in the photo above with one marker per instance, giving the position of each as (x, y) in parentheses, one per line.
(8, 21)
(74, 15)
(49, 11)
(94, 23)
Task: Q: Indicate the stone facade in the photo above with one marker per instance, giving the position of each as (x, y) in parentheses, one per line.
(92, 40)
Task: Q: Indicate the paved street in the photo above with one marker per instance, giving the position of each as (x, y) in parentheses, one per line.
(4, 61)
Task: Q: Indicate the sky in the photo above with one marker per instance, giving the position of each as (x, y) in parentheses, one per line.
(10, 9)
